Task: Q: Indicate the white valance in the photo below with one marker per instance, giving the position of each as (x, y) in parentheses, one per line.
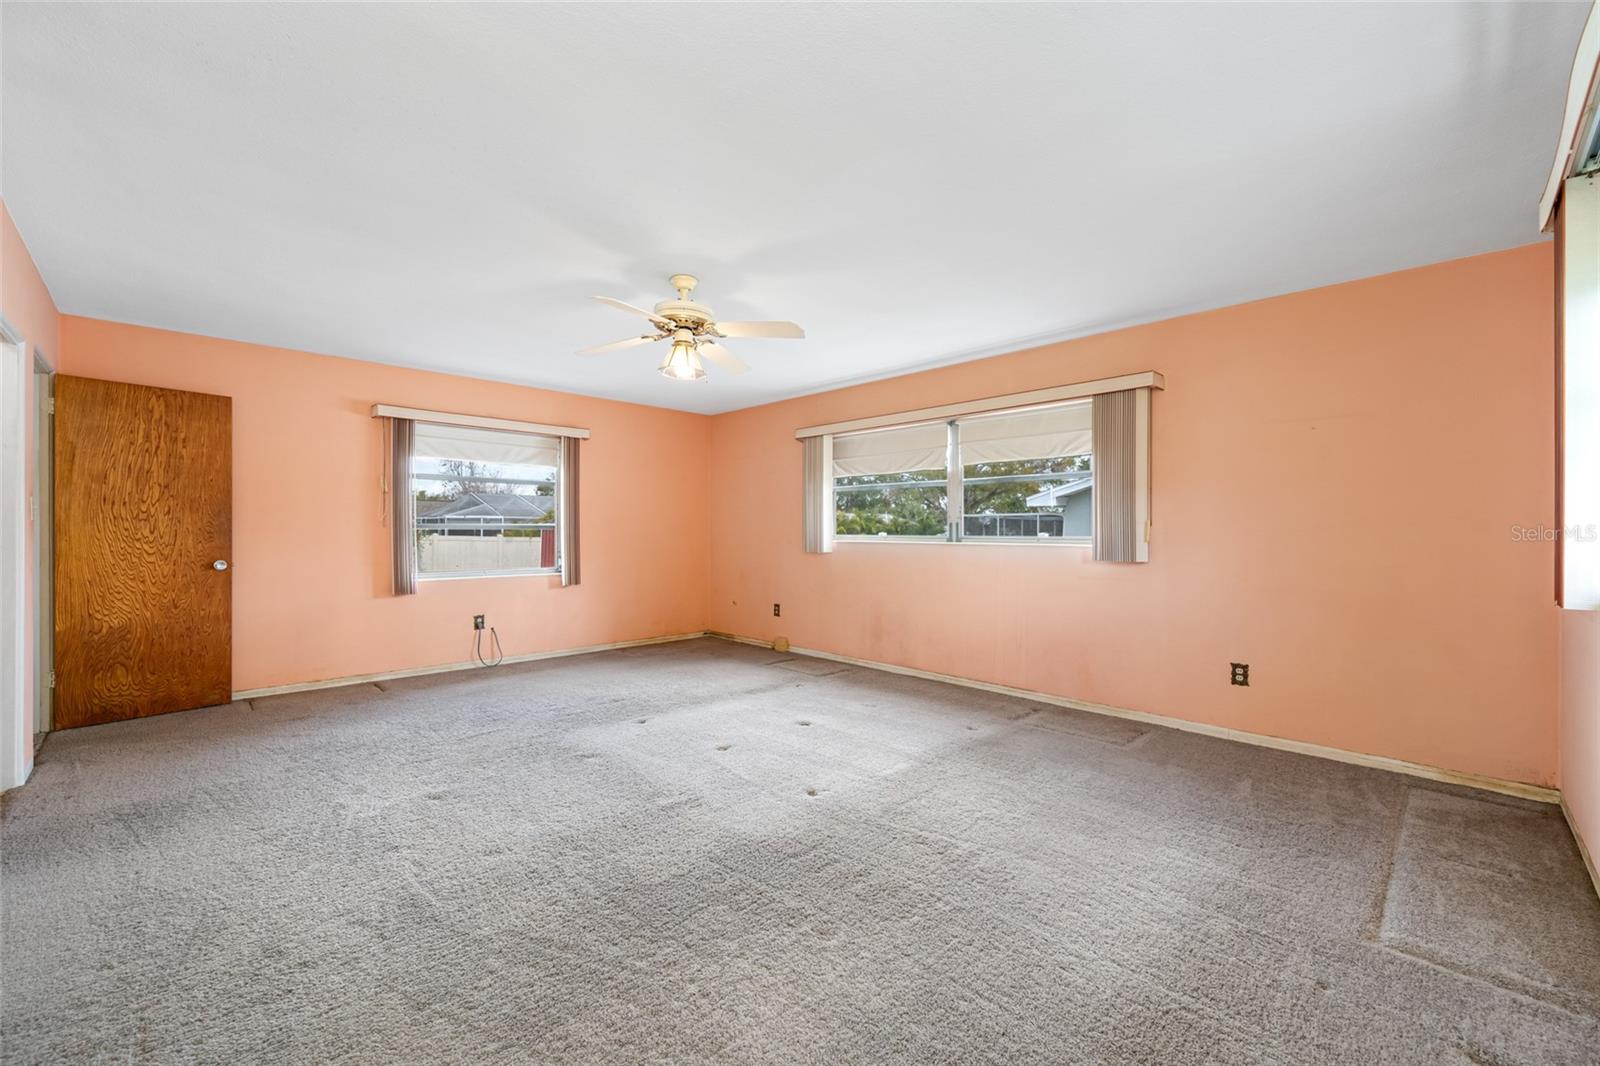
(1038, 433)
(891, 451)
(484, 445)
(1042, 433)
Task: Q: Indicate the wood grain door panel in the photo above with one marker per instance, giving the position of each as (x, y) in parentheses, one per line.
(143, 508)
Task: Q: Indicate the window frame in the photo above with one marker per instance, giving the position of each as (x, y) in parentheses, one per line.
(955, 503)
(1577, 548)
(519, 572)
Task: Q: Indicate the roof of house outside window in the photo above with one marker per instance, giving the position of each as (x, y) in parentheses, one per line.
(478, 505)
(1056, 493)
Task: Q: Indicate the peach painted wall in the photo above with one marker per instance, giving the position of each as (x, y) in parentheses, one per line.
(1336, 477)
(1580, 722)
(26, 303)
(310, 575)
(23, 294)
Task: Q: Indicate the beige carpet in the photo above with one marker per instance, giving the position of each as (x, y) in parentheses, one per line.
(707, 853)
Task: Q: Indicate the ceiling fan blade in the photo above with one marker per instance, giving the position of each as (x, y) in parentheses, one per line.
(722, 357)
(617, 346)
(760, 329)
(632, 310)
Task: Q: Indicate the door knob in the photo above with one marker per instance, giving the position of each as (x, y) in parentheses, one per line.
(220, 564)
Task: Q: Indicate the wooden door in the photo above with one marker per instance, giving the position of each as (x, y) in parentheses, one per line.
(143, 585)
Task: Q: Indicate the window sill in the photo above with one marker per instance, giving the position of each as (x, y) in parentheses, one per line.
(1070, 542)
(468, 575)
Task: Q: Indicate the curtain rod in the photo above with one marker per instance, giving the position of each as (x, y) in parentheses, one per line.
(1149, 379)
(446, 418)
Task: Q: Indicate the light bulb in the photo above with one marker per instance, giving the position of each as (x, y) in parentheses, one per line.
(682, 362)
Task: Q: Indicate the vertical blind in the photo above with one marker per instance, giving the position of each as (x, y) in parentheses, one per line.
(1116, 533)
(567, 509)
(818, 505)
(403, 506)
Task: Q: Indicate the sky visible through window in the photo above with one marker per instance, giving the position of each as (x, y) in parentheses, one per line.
(441, 478)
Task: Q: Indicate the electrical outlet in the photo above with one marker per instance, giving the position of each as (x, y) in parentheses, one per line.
(1241, 673)
(777, 612)
(477, 621)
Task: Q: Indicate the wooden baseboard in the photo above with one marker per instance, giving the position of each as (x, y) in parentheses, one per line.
(1519, 789)
(1583, 847)
(392, 675)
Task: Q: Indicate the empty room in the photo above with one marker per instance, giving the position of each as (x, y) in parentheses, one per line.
(843, 534)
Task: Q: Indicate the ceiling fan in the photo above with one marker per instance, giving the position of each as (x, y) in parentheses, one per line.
(695, 332)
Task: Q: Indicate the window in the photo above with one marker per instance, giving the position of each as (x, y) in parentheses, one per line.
(892, 483)
(1018, 475)
(485, 501)
(1028, 474)
(1067, 464)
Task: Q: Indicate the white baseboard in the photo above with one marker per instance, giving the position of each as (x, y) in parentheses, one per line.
(1519, 789)
(392, 675)
(1583, 848)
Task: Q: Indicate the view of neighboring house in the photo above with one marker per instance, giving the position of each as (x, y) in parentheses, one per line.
(484, 514)
(1064, 509)
(1076, 501)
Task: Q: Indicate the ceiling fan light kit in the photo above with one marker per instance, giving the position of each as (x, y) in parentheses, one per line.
(695, 332)
(681, 363)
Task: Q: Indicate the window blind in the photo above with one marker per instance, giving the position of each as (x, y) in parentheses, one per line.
(818, 506)
(567, 510)
(1038, 434)
(402, 521)
(891, 451)
(1121, 477)
(485, 445)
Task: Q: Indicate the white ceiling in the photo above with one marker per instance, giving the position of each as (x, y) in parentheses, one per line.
(443, 186)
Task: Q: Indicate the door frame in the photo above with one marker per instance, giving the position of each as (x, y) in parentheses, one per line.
(44, 543)
(16, 740)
